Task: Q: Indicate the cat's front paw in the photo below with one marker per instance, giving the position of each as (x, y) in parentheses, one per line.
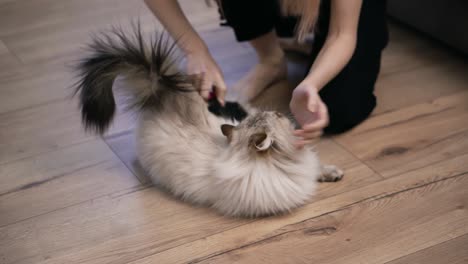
(330, 173)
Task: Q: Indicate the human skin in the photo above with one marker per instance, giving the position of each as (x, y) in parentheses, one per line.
(306, 105)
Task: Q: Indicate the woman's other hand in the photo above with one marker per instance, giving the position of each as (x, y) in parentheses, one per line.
(310, 112)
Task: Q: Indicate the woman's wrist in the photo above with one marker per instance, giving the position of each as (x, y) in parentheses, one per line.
(193, 47)
(311, 85)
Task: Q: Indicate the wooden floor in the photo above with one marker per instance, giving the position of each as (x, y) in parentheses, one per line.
(70, 197)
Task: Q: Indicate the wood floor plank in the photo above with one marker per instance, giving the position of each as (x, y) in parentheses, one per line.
(381, 192)
(115, 228)
(57, 32)
(41, 14)
(44, 128)
(421, 84)
(66, 196)
(415, 70)
(39, 129)
(409, 50)
(356, 173)
(371, 232)
(58, 179)
(54, 36)
(154, 219)
(31, 86)
(413, 137)
(451, 252)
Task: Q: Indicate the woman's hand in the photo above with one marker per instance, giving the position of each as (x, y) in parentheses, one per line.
(199, 61)
(306, 105)
(310, 112)
(209, 76)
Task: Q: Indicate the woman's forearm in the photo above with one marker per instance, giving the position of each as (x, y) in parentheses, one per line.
(339, 45)
(175, 22)
(331, 60)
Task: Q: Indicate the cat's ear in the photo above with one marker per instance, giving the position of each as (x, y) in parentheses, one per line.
(261, 141)
(227, 130)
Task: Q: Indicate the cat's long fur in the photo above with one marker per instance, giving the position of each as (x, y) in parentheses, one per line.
(252, 169)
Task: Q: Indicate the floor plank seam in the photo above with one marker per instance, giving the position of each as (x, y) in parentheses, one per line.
(408, 70)
(52, 101)
(413, 169)
(428, 101)
(41, 182)
(188, 242)
(428, 165)
(131, 190)
(71, 205)
(86, 140)
(142, 181)
(453, 135)
(118, 134)
(422, 249)
(9, 50)
(360, 160)
(386, 195)
(399, 122)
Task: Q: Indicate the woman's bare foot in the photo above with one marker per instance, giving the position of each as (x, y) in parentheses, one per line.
(271, 68)
(259, 78)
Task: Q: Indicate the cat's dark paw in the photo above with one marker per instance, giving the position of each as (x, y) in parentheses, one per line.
(330, 173)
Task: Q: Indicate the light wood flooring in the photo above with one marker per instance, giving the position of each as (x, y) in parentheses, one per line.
(71, 197)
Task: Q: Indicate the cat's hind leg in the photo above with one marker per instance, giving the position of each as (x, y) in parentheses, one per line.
(330, 173)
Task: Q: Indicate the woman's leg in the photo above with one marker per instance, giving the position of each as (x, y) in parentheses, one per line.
(350, 95)
(255, 21)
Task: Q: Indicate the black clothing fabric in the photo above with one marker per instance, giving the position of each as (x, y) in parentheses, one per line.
(350, 95)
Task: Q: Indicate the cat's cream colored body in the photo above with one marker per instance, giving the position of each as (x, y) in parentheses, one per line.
(251, 169)
(195, 161)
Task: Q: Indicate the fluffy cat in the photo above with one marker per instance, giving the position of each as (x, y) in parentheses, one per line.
(241, 164)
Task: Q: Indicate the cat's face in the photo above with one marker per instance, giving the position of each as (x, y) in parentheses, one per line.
(261, 132)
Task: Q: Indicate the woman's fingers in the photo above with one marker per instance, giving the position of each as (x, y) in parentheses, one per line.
(304, 142)
(321, 122)
(318, 125)
(307, 138)
(197, 81)
(220, 90)
(206, 88)
(208, 80)
(311, 135)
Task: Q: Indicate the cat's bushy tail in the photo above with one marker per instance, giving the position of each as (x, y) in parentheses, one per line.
(150, 66)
